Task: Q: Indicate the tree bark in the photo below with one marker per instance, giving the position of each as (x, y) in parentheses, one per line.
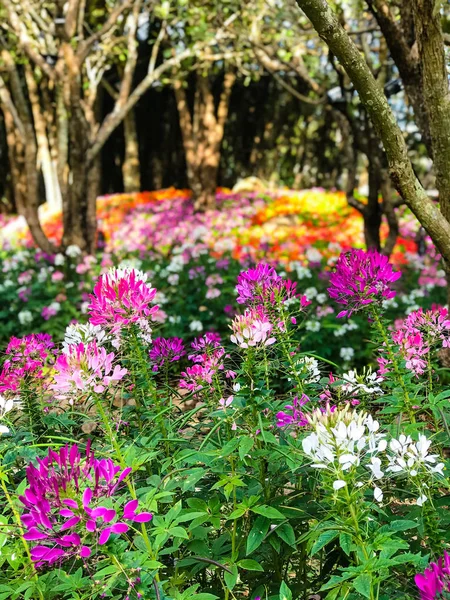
(401, 171)
(52, 189)
(436, 93)
(131, 165)
(202, 134)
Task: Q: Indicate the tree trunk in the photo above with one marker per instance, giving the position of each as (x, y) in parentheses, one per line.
(25, 180)
(202, 134)
(131, 166)
(52, 190)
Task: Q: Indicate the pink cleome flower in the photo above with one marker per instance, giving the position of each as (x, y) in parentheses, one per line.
(252, 329)
(435, 579)
(121, 297)
(85, 368)
(26, 359)
(262, 285)
(165, 351)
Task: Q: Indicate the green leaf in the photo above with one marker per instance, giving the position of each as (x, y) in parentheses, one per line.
(402, 525)
(286, 533)
(285, 592)
(345, 541)
(324, 538)
(178, 532)
(250, 565)
(231, 578)
(237, 513)
(245, 445)
(268, 511)
(257, 533)
(363, 584)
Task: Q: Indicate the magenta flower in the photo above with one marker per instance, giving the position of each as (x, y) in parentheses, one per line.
(435, 579)
(295, 416)
(197, 377)
(254, 284)
(85, 368)
(122, 297)
(165, 351)
(361, 278)
(262, 285)
(413, 349)
(64, 509)
(26, 359)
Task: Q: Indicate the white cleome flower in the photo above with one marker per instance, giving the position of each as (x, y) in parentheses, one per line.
(196, 326)
(346, 353)
(364, 383)
(309, 366)
(378, 494)
(73, 251)
(83, 333)
(25, 317)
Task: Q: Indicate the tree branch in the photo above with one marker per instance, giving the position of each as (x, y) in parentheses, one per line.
(329, 29)
(85, 46)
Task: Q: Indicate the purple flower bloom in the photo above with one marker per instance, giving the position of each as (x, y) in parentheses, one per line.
(361, 278)
(296, 416)
(26, 359)
(165, 351)
(435, 579)
(64, 505)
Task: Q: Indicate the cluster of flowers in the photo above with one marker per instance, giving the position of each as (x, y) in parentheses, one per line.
(419, 334)
(435, 580)
(361, 278)
(26, 360)
(208, 357)
(264, 293)
(343, 440)
(122, 297)
(69, 505)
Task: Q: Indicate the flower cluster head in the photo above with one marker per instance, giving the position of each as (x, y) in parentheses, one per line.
(83, 333)
(295, 416)
(252, 329)
(412, 459)
(420, 333)
(340, 440)
(69, 505)
(165, 351)
(308, 368)
(122, 297)
(435, 579)
(262, 285)
(26, 359)
(361, 278)
(365, 383)
(84, 369)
